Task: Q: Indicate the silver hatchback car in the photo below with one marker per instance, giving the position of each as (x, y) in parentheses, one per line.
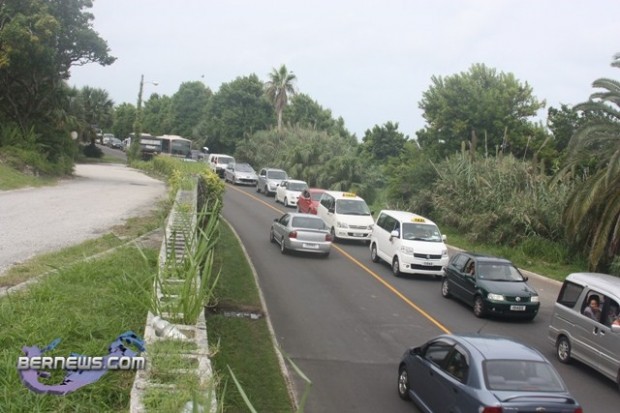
(301, 232)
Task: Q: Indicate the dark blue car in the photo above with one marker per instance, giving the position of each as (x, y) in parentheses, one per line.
(481, 374)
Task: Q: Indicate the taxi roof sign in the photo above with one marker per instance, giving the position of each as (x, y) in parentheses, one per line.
(417, 219)
(349, 194)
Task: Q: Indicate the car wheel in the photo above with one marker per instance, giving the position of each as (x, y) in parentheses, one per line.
(479, 309)
(373, 253)
(403, 383)
(266, 191)
(298, 210)
(258, 188)
(285, 202)
(562, 352)
(271, 237)
(445, 288)
(396, 267)
(282, 247)
(333, 234)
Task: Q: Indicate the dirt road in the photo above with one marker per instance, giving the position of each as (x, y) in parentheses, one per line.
(38, 220)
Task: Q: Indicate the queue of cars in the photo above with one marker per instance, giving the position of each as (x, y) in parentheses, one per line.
(477, 373)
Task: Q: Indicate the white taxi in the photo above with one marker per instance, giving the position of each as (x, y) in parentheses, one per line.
(408, 242)
(346, 214)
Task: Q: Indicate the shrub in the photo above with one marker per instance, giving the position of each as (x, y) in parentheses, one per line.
(92, 151)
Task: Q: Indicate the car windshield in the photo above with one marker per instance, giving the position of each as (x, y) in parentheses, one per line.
(421, 232)
(498, 272)
(521, 375)
(316, 196)
(308, 222)
(224, 159)
(276, 175)
(352, 207)
(297, 186)
(244, 167)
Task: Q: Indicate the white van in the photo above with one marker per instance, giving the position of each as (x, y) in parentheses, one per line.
(592, 337)
(346, 214)
(218, 163)
(408, 242)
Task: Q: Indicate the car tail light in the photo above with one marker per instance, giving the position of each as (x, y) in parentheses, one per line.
(491, 409)
(328, 237)
(578, 410)
(292, 234)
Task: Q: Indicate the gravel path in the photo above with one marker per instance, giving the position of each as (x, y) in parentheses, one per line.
(38, 220)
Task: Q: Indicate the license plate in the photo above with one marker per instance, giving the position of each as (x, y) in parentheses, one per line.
(517, 308)
(357, 235)
(428, 263)
(311, 246)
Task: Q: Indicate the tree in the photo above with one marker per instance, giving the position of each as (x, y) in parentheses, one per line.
(494, 106)
(593, 213)
(235, 112)
(39, 42)
(95, 110)
(124, 117)
(383, 141)
(187, 108)
(157, 115)
(278, 88)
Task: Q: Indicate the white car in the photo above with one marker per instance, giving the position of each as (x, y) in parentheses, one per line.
(289, 190)
(408, 242)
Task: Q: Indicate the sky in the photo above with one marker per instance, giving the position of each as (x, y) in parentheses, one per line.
(369, 62)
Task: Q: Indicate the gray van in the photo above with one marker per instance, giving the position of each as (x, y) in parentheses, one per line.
(592, 337)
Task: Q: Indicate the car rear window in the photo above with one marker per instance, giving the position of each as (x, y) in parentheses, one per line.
(308, 222)
(521, 375)
(276, 175)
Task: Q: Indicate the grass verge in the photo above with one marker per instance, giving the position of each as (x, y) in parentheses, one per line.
(540, 257)
(12, 179)
(245, 344)
(86, 305)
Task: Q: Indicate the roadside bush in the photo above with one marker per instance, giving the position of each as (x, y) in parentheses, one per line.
(498, 200)
(92, 151)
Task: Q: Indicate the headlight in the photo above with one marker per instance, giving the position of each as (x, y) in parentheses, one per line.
(341, 225)
(535, 299)
(406, 250)
(370, 226)
(444, 253)
(496, 297)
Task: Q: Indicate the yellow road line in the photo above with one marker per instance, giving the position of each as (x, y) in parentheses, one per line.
(365, 268)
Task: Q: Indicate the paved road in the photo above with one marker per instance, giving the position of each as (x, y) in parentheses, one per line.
(38, 220)
(346, 321)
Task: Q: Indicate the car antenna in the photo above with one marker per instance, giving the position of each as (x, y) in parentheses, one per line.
(481, 327)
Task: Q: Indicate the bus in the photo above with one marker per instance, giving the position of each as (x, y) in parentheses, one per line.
(173, 145)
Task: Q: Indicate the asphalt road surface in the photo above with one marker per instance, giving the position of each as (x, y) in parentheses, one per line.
(38, 220)
(346, 321)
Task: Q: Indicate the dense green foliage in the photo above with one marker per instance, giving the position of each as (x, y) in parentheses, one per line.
(494, 106)
(593, 211)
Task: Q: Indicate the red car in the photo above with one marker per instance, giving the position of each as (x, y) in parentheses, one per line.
(308, 201)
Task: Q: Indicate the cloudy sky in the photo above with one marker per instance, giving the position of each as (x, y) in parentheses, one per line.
(367, 61)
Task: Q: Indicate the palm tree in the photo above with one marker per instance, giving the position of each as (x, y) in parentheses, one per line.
(94, 109)
(593, 213)
(278, 88)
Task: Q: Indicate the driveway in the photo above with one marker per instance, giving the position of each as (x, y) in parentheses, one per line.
(100, 196)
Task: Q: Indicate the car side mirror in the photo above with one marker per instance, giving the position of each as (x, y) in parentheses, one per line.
(332, 210)
(443, 237)
(525, 278)
(416, 350)
(276, 219)
(394, 234)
